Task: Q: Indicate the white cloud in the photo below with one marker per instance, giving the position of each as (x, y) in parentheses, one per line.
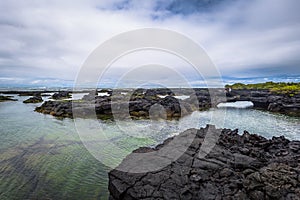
(53, 38)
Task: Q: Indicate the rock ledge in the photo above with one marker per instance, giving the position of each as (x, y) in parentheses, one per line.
(244, 166)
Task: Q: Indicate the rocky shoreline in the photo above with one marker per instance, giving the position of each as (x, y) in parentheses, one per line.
(138, 104)
(244, 166)
(284, 103)
(141, 101)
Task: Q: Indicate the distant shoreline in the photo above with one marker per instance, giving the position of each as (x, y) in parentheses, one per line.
(281, 98)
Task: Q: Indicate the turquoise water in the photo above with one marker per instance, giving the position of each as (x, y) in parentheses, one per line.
(43, 157)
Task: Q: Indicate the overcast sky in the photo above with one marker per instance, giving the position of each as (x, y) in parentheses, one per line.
(46, 42)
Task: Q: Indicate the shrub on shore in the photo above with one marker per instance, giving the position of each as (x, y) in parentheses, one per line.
(281, 87)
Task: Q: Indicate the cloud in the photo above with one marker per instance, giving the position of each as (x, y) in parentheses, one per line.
(243, 38)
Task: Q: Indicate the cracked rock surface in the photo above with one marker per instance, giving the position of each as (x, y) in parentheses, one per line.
(244, 166)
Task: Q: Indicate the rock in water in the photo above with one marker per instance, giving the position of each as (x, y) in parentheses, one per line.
(61, 95)
(265, 99)
(6, 98)
(35, 99)
(244, 166)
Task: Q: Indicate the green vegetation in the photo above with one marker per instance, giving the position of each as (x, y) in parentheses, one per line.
(281, 87)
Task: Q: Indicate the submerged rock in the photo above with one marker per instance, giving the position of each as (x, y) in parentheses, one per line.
(244, 166)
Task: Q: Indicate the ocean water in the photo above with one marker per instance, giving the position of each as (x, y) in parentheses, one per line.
(44, 157)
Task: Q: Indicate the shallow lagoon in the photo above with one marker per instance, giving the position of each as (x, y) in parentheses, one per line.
(44, 156)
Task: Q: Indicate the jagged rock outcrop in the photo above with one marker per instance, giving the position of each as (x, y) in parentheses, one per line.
(244, 166)
(264, 99)
(56, 108)
(138, 104)
(61, 95)
(141, 100)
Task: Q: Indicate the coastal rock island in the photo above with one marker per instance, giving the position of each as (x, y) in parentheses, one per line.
(141, 100)
(6, 98)
(244, 166)
(139, 103)
(34, 99)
